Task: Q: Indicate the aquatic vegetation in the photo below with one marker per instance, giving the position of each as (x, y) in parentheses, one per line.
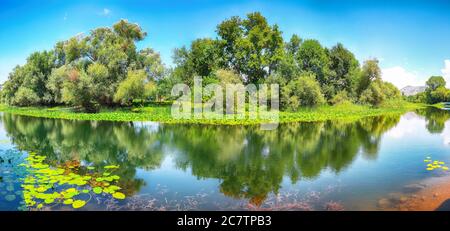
(69, 184)
(435, 164)
(162, 113)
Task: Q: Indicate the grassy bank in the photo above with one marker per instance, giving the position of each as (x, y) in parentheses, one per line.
(162, 113)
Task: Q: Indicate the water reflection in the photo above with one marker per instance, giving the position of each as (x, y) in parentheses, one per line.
(250, 163)
(435, 118)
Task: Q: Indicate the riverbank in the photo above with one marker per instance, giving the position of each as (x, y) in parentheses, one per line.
(162, 113)
(428, 195)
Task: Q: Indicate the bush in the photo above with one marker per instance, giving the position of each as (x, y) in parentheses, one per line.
(417, 98)
(340, 98)
(302, 91)
(441, 94)
(55, 83)
(373, 95)
(377, 92)
(102, 81)
(25, 96)
(390, 91)
(78, 90)
(133, 87)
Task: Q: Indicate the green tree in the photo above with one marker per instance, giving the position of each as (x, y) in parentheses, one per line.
(150, 60)
(345, 68)
(373, 94)
(25, 97)
(289, 67)
(251, 47)
(340, 98)
(441, 94)
(78, 90)
(370, 72)
(312, 57)
(165, 84)
(201, 59)
(434, 82)
(131, 31)
(101, 81)
(55, 83)
(436, 91)
(133, 87)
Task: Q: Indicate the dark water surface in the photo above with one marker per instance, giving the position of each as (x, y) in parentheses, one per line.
(332, 165)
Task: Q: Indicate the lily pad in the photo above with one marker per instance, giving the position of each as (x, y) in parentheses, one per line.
(118, 195)
(97, 190)
(68, 201)
(78, 204)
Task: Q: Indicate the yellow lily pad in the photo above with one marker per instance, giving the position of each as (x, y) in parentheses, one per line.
(118, 195)
(78, 204)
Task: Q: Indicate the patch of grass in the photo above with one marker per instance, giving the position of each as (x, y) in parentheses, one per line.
(162, 113)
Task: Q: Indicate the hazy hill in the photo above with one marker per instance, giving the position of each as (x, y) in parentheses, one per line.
(412, 90)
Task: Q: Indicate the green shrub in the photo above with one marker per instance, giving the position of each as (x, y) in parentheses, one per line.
(340, 98)
(302, 91)
(25, 96)
(133, 87)
(373, 95)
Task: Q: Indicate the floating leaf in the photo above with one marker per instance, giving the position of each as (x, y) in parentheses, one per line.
(78, 204)
(68, 201)
(119, 195)
(97, 190)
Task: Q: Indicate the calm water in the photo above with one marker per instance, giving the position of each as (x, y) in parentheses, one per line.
(301, 166)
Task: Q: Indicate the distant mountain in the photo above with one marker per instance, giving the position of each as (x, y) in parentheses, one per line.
(412, 90)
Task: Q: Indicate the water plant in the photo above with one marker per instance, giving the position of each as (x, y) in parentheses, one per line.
(162, 113)
(67, 184)
(435, 164)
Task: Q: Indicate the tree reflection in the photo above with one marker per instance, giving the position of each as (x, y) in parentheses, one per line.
(435, 118)
(251, 163)
(260, 159)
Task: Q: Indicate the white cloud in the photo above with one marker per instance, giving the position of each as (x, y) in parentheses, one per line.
(446, 72)
(105, 12)
(409, 124)
(400, 77)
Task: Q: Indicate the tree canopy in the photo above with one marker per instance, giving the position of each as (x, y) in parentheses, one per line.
(105, 68)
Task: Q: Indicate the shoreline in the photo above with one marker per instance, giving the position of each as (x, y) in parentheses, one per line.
(162, 114)
(427, 195)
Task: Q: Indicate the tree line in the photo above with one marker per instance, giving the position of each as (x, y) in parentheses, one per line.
(435, 92)
(105, 68)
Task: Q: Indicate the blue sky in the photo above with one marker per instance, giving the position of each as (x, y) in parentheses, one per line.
(410, 38)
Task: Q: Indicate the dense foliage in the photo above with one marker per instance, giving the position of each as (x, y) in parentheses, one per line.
(101, 68)
(105, 68)
(435, 92)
